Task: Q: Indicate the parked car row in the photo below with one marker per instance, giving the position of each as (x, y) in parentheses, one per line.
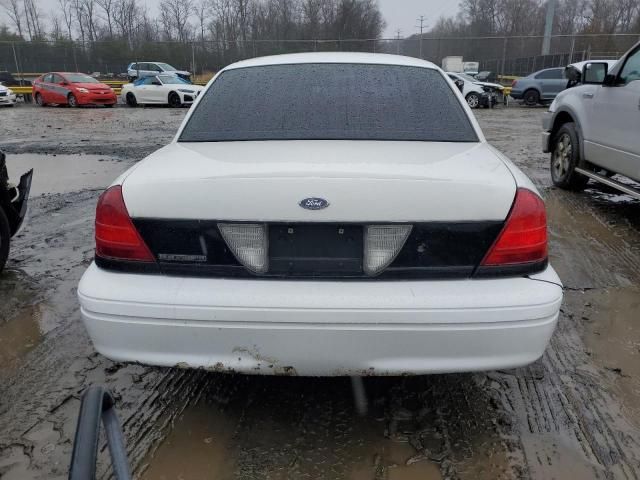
(77, 89)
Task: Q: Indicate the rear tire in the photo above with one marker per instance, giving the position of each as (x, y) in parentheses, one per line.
(131, 100)
(531, 98)
(5, 236)
(174, 100)
(565, 157)
(473, 100)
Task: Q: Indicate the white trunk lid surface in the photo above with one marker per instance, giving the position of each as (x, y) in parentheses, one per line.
(363, 181)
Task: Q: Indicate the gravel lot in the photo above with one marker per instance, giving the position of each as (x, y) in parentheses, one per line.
(573, 414)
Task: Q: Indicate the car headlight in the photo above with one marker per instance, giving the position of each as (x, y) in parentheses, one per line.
(183, 90)
(9, 91)
(83, 90)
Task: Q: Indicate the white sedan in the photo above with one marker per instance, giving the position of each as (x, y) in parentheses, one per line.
(160, 89)
(324, 214)
(7, 97)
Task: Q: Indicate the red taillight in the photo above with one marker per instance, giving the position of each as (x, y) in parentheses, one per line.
(116, 236)
(524, 236)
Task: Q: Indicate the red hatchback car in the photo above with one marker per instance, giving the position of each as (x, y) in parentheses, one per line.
(72, 89)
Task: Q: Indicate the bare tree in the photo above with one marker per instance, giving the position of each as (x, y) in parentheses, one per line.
(108, 7)
(12, 8)
(174, 15)
(67, 15)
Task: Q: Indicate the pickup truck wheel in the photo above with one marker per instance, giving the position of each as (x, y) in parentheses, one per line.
(473, 100)
(565, 157)
(5, 236)
(531, 98)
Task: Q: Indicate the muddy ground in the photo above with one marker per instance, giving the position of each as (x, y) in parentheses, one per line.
(573, 414)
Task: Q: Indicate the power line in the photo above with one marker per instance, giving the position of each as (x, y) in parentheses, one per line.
(421, 19)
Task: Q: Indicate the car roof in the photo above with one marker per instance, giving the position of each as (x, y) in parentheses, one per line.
(333, 57)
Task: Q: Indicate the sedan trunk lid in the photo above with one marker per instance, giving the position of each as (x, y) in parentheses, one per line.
(363, 181)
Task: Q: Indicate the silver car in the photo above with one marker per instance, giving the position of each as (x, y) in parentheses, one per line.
(540, 87)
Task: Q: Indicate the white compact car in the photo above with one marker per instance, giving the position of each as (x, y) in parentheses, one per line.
(7, 97)
(324, 214)
(160, 89)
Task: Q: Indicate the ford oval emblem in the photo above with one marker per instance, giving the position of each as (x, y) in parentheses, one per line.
(314, 203)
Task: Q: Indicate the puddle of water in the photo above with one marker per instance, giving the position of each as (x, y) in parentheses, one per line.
(20, 333)
(196, 448)
(589, 249)
(209, 442)
(613, 338)
(65, 173)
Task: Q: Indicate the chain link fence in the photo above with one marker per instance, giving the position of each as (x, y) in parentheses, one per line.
(511, 56)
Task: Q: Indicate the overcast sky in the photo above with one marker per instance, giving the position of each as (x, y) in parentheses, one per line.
(399, 14)
(403, 14)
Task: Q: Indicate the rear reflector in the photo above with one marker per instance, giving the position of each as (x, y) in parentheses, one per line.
(116, 236)
(249, 244)
(524, 236)
(382, 243)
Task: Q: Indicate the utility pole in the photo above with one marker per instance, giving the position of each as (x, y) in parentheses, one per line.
(548, 27)
(398, 33)
(421, 20)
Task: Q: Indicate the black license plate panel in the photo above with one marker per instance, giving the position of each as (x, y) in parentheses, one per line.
(315, 250)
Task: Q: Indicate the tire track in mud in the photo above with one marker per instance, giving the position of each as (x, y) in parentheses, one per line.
(594, 246)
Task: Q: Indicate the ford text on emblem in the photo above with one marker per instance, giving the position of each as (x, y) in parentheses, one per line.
(314, 203)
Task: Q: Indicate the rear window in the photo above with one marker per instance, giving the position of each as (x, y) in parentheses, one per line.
(555, 74)
(329, 102)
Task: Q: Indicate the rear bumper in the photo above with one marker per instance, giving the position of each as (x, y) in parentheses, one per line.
(320, 328)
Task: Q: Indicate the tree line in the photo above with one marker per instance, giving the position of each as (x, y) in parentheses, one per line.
(527, 17)
(185, 21)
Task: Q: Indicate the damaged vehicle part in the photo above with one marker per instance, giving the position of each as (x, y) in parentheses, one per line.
(13, 207)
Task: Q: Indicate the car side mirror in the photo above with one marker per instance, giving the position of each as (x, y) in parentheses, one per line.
(594, 73)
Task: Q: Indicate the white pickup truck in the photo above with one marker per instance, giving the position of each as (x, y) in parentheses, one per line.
(593, 130)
